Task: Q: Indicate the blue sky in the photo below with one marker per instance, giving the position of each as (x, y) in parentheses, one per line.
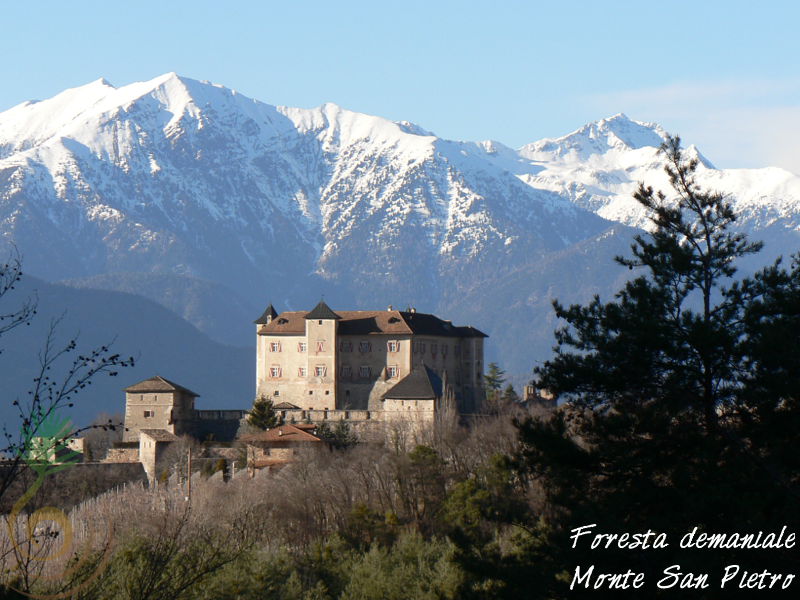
(724, 75)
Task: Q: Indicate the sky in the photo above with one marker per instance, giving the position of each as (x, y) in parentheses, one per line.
(723, 75)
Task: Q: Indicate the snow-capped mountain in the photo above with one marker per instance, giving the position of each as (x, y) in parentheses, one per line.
(150, 187)
(599, 166)
(193, 178)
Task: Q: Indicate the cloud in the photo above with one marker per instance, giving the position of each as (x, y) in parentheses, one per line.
(741, 123)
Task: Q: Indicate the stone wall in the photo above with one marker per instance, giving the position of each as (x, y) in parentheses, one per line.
(122, 455)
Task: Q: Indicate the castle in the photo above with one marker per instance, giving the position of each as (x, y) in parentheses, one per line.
(360, 366)
(365, 360)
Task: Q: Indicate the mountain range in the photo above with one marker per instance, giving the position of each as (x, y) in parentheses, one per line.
(211, 204)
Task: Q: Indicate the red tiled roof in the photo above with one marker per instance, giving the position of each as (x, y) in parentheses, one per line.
(282, 433)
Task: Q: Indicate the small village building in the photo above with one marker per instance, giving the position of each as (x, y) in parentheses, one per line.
(280, 445)
(158, 403)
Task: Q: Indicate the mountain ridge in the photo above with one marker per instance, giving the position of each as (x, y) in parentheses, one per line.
(193, 188)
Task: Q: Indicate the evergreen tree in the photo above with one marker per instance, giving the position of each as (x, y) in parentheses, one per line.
(510, 395)
(493, 382)
(263, 415)
(677, 398)
(341, 436)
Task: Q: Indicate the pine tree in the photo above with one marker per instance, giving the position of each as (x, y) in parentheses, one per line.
(263, 416)
(493, 382)
(494, 379)
(675, 392)
(341, 436)
(664, 336)
(510, 395)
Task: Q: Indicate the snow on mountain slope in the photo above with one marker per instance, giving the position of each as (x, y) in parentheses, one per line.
(187, 177)
(191, 188)
(600, 165)
(617, 134)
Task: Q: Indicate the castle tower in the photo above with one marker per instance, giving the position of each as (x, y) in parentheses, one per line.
(321, 331)
(157, 403)
(261, 344)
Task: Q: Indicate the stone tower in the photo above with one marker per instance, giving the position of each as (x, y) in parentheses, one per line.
(157, 403)
(261, 347)
(321, 329)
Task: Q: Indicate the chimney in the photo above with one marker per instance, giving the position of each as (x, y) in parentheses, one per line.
(413, 310)
(280, 432)
(390, 308)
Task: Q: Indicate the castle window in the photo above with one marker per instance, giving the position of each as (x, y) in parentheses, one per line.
(346, 346)
(148, 414)
(365, 347)
(346, 371)
(320, 346)
(276, 393)
(275, 347)
(274, 371)
(391, 371)
(302, 372)
(302, 346)
(458, 350)
(444, 350)
(434, 349)
(320, 370)
(393, 346)
(364, 371)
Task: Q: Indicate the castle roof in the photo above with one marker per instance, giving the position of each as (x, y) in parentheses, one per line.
(322, 311)
(269, 313)
(364, 322)
(158, 384)
(421, 384)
